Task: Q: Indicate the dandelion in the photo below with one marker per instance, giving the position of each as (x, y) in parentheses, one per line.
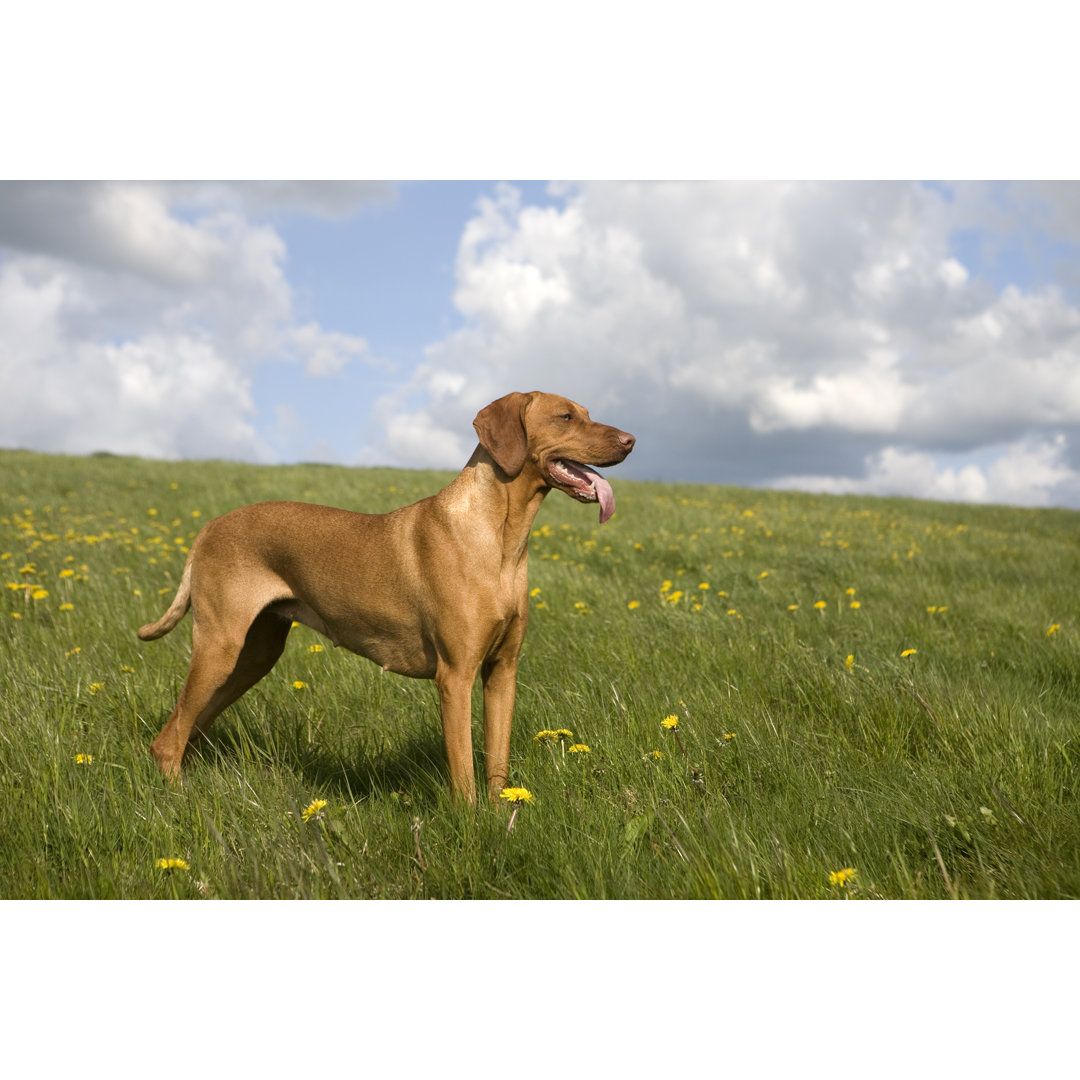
(671, 722)
(39, 594)
(75, 651)
(793, 607)
(656, 755)
(732, 611)
(67, 573)
(729, 736)
(908, 652)
(849, 592)
(855, 605)
(83, 759)
(314, 648)
(634, 604)
(675, 597)
(764, 574)
(666, 585)
(703, 585)
(16, 614)
(516, 795)
(313, 809)
(172, 864)
(94, 687)
(126, 669)
(66, 607)
(849, 661)
(578, 748)
(842, 877)
(535, 592)
(298, 685)
(820, 605)
(563, 733)
(1054, 628)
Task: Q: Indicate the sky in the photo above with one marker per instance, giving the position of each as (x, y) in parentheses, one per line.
(910, 338)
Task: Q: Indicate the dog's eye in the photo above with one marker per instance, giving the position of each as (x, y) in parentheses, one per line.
(566, 416)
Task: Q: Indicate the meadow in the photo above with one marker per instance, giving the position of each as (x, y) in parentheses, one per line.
(723, 693)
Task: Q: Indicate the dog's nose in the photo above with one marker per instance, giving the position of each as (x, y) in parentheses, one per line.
(626, 440)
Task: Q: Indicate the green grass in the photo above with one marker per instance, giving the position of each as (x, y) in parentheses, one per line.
(950, 772)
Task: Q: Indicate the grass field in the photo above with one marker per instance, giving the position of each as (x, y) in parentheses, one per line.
(874, 698)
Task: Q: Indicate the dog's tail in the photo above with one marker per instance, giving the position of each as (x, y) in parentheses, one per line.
(177, 609)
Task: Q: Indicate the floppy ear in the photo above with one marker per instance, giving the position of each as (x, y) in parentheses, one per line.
(501, 427)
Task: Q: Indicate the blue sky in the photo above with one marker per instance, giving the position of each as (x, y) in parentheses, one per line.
(886, 338)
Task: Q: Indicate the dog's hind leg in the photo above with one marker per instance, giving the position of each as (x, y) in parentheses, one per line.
(222, 668)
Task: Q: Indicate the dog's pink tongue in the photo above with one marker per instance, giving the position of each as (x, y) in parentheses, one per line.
(604, 495)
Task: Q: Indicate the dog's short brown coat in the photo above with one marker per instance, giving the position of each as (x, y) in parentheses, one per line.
(436, 590)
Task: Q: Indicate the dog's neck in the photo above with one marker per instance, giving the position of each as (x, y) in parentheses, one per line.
(517, 498)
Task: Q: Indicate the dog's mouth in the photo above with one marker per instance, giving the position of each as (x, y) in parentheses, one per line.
(584, 483)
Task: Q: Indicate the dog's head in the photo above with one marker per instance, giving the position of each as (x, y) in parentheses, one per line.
(554, 436)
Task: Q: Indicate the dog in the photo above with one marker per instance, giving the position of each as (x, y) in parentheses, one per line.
(436, 590)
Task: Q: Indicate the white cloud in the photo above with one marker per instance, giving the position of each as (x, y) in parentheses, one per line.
(134, 316)
(753, 332)
(1031, 472)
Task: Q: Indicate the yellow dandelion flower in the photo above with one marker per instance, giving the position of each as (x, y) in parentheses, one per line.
(930, 610)
(313, 808)
(172, 864)
(39, 594)
(793, 607)
(16, 614)
(1054, 628)
(634, 604)
(849, 661)
(670, 722)
(578, 748)
(732, 611)
(535, 592)
(908, 652)
(298, 685)
(94, 687)
(703, 585)
(516, 794)
(28, 568)
(764, 574)
(315, 648)
(675, 597)
(83, 759)
(855, 605)
(75, 651)
(656, 755)
(666, 585)
(67, 573)
(842, 877)
(66, 607)
(729, 736)
(563, 733)
(820, 604)
(849, 592)
(126, 669)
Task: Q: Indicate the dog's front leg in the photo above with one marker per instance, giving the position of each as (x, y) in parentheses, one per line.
(500, 687)
(455, 701)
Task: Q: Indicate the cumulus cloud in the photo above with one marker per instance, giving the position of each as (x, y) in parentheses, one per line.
(133, 316)
(821, 334)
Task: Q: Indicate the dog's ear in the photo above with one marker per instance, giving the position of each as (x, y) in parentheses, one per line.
(501, 427)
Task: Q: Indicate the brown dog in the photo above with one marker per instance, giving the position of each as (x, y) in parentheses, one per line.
(437, 590)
